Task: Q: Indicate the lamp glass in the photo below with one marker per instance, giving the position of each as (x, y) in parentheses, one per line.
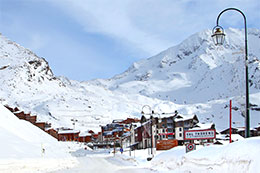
(218, 36)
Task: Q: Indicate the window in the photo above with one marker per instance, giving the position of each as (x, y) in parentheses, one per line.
(180, 134)
(170, 130)
(170, 137)
(180, 129)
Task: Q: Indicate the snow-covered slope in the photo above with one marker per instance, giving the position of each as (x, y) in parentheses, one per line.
(26, 148)
(28, 83)
(241, 156)
(192, 77)
(195, 67)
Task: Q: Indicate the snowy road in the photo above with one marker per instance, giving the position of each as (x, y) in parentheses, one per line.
(104, 162)
(100, 164)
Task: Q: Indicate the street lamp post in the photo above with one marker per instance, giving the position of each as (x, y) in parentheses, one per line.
(151, 125)
(218, 38)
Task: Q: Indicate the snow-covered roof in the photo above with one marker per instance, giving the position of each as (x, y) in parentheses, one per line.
(203, 126)
(106, 133)
(240, 128)
(117, 121)
(17, 112)
(118, 129)
(234, 137)
(255, 127)
(184, 118)
(85, 133)
(68, 131)
(136, 124)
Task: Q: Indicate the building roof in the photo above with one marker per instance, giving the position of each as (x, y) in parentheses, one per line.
(234, 137)
(117, 121)
(107, 133)
(68, 131)
(185, 117)
(203, 126)
(85, 133)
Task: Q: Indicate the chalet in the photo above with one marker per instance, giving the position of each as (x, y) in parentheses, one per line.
(184, 123)
(224, 138)
(119, 132)
(31, 119)
(240, 131)
(12, 109)
(68, 135)
(85, 137)
(112, 132)
(53, 132)
(41, 125)
(166, 127)
(226, 131)
(95, 137)
(20, 114)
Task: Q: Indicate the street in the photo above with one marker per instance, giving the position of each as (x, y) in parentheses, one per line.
(103, 161)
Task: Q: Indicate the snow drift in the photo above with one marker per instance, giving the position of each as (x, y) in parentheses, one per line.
(240, 156)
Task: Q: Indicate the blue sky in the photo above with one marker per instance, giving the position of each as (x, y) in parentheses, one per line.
(87, 39)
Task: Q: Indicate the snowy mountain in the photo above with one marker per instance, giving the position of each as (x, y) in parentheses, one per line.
(195, 67)
(192, 77)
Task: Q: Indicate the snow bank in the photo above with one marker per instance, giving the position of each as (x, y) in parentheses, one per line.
(241, 156)
(26, 148)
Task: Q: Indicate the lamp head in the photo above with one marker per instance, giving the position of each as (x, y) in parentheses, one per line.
(218, 35)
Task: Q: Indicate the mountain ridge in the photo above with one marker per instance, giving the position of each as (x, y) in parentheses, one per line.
(188, 77)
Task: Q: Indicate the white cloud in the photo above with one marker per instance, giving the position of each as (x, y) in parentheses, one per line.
(149, 25)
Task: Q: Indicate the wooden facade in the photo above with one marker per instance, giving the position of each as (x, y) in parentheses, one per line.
(53, 133)
(68, 135)
(85, 138)
(41, 125)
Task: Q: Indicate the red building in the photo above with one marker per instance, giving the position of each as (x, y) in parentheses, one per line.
(68, 135)
(41, 125)
(85, 137)
(53, 133)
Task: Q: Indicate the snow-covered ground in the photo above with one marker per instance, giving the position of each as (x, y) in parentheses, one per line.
(241, 156)
(26, 148)
(23, 144)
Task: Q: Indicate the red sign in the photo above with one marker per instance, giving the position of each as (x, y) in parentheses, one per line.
(199, 134)
(165, 134)
(166, 144)
(190, 147)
